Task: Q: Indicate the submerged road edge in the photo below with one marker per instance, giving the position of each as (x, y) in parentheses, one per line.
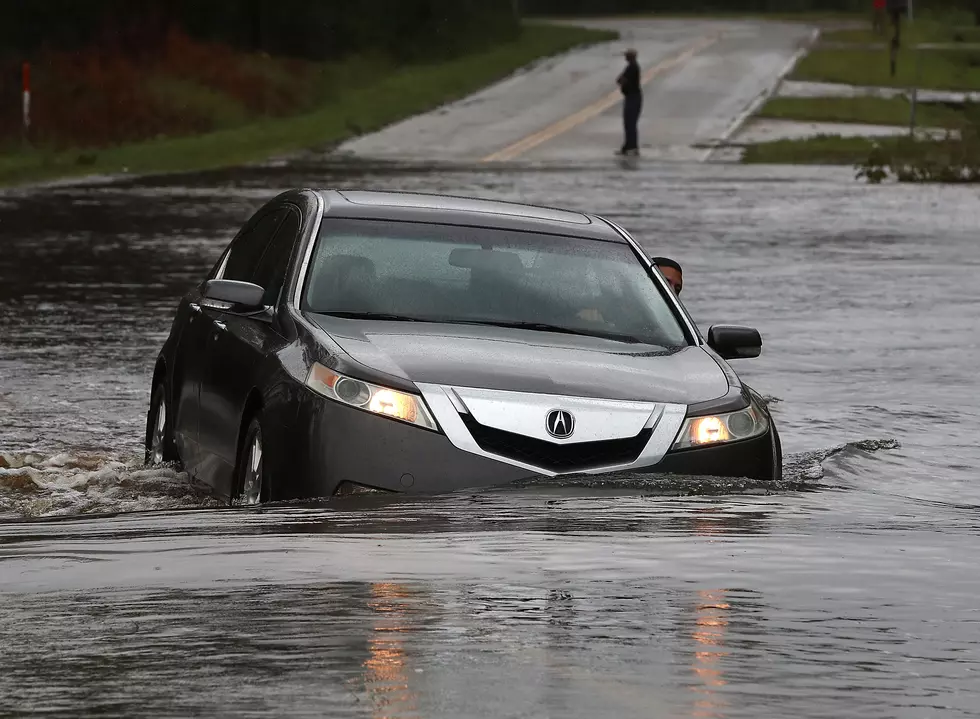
(749, 112)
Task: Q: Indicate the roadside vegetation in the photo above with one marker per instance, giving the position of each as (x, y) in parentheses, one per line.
(175, 93)
(809, 9)
(910, 159)
(817, 150)
(936, 69)
(939, 52)
(903, 158)
(869, 110)
(284, 110)
(949, 29)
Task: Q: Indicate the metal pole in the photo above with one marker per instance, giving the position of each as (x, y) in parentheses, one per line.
(915, 90)
(26, 101)
(915, 81)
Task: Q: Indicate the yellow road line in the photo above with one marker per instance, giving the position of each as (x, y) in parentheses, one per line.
(599, 106)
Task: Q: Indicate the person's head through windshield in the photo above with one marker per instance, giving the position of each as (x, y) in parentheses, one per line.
(671, 271)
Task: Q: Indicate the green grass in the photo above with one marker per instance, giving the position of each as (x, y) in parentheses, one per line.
(919, 31)
(938, 69)
(186, 96)
(806, 17)
(820, 150)
(903, 158)
(869, 110)
(361, 107)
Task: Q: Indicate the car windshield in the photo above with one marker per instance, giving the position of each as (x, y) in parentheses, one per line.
(446, 273)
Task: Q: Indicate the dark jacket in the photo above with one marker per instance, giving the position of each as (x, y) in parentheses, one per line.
(629, 79)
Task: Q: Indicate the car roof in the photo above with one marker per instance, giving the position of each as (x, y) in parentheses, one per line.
(455, 210)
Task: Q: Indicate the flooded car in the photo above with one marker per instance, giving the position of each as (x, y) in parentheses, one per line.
(355, 341)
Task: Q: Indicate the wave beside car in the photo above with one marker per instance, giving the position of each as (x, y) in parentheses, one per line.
(359, 341)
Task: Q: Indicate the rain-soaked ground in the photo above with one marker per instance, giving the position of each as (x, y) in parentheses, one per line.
(849, 590)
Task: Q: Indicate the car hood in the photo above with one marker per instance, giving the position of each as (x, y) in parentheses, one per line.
(528, 361)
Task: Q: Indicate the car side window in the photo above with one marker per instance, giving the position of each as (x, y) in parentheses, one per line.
(246, 252)
(271, 270)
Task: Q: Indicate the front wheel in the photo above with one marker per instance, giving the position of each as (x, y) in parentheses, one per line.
(777, 455)
(159, 444)
(251, 487)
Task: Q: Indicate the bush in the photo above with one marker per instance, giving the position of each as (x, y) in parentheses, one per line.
(186, 86)
(952, 159)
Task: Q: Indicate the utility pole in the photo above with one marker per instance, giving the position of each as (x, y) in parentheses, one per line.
(913, 102)
(26, 103)
(897, 8)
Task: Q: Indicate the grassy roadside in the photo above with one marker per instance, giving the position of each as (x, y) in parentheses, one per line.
(933, 69)
(903, 158)
(849, 56)
(362, 108)
(819, 150)
(804, 17)
(865, 110)
(923, 30)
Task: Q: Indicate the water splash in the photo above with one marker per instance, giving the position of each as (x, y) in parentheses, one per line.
(809, 466)
(65, 484)
(33, 486)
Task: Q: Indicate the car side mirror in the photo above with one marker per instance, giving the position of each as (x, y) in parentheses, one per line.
(241, 297)
(735, 342)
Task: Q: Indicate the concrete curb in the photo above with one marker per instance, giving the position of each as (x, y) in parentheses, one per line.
(761, 99)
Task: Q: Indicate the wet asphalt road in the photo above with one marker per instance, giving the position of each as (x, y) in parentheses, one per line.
(700, 78)
(849, 591)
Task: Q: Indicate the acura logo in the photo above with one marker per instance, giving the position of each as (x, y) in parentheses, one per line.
(560, 424)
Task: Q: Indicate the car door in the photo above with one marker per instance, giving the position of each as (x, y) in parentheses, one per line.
(189, 356)
(238, 346)
(198, 326)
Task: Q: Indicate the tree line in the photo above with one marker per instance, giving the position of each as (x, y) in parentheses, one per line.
(409, 30)
(309, 29)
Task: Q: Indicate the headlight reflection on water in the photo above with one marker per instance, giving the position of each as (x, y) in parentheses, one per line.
(386, 673)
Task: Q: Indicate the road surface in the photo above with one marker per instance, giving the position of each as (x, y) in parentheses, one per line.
(852, 592)
(702, 78)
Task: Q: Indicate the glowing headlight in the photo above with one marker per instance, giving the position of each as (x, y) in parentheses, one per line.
(715, 429)
(380, 400)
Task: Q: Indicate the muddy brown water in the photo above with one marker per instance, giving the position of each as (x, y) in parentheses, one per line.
(848, 590)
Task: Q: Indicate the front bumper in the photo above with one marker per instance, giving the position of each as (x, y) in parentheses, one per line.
(751, 458)
(335, 446)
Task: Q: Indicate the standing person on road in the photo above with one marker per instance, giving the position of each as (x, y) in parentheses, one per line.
(629, 84)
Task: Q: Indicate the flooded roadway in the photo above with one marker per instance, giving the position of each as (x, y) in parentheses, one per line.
(851, 590)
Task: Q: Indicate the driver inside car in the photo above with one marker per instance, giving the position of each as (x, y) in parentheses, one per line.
(672, 272)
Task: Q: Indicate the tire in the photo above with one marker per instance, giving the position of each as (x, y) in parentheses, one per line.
(159, 444)
(777, 450)
(251, 483)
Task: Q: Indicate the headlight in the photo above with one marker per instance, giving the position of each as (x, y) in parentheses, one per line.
(716, 429)
(372, 398)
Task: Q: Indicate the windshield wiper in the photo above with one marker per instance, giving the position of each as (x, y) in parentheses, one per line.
(385, 316)
(545, 327)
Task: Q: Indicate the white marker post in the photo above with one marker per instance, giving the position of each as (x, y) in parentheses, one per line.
(26, 98)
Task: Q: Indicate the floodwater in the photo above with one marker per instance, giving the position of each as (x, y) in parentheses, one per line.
(848, 590)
